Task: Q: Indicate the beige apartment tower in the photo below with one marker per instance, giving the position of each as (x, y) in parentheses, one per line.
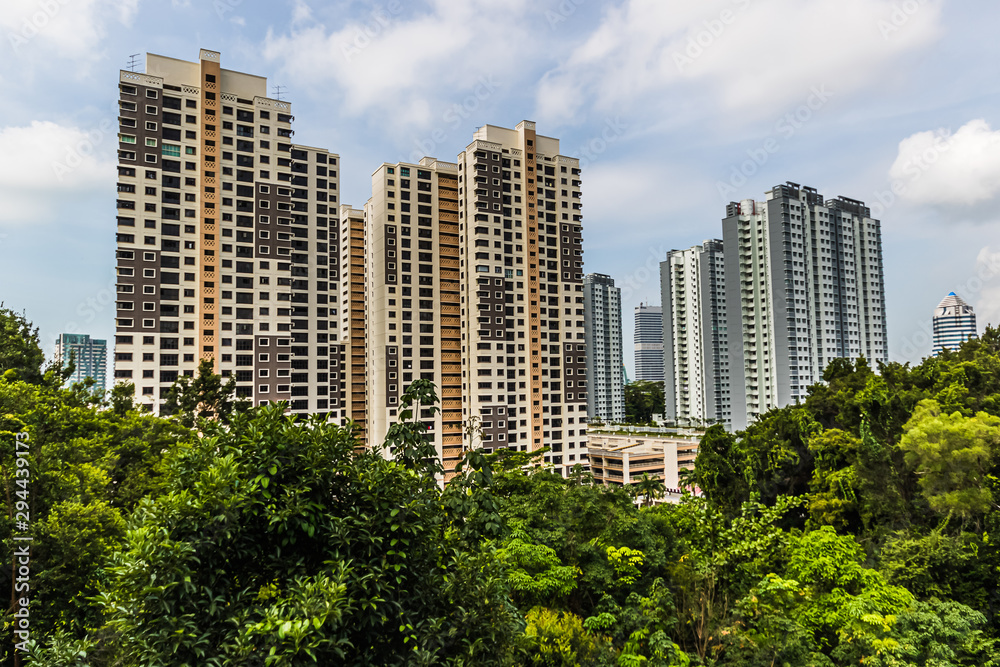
(227, 244)
(232, 247)
(475, 281)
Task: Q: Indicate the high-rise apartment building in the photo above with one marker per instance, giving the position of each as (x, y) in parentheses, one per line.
(695, 343)
(475, 281)
(353, 314)
(89, 356)
(954, 323)
(228, 245)
(414, 297)
(804, 286)
(520, 220)
(648, 343)
(603, 329)
(232, 247)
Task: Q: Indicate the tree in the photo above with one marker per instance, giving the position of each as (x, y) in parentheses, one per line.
(650, 488)
(834, 487)
(940, 632)
(206, 396)
(952, 455)
(275, 542)
(87, 468)
(721, 470)
(559, 639)
(20, 351)
(844, 604)
(642, 400)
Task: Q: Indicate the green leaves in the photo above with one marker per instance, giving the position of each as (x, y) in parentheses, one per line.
(276, 539)
(952, 455)
(205, 396)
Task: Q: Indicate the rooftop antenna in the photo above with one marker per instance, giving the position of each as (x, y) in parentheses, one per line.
(278, 92)
(132, 62)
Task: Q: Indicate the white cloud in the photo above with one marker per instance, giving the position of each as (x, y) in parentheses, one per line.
(402, 63)
(960, 169)
(36, 29)
(44, 166)
(757, 57)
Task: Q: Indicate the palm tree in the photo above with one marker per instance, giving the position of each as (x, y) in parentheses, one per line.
(650, 488)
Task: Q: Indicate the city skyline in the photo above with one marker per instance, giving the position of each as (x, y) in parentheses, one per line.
(923, 137)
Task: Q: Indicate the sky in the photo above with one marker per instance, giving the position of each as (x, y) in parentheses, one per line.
(675, 107)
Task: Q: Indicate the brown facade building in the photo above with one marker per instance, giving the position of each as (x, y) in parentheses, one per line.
(227, 240)
(233, 247)
(475, 281)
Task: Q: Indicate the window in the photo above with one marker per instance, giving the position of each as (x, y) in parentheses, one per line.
(151, 142)
(171, 150)
(126, 138)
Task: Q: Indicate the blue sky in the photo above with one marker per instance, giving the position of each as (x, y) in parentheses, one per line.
(677, 107)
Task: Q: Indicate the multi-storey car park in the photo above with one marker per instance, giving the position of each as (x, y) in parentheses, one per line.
(226, 249)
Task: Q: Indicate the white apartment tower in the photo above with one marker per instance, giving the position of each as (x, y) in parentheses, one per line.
(603, 325)
(227, 244)
(804, 286)
(695, 343)
(89, 357)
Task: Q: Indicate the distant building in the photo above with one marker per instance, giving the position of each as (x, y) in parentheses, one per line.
(804, 286)
(695, 354)
(617, 459)
(603, 329)
(648, 341)
(90, 356)
(954, 323)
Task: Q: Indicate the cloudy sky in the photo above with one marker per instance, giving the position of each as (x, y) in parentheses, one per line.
(676, 106)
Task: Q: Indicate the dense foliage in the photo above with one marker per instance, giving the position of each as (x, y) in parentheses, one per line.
(643, 399)
(857, 528)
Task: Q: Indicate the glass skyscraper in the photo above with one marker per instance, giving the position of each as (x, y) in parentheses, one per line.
(89, 355)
